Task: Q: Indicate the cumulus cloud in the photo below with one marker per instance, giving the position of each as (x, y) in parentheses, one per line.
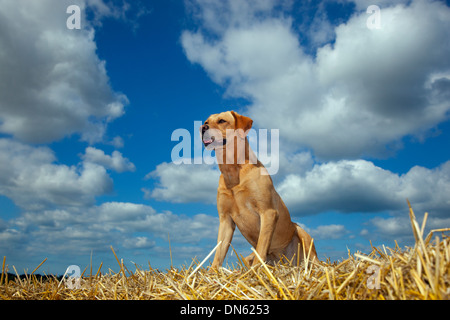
(360, 186)
(52, 82)
(366, 90)
(30, 177)
(139, 243)
(116, 161)
(309, 188)
(218, 16)
(184, 183)
(292, 163)
(362, 5)
(80, 230)
(399, 227)
(322, 232)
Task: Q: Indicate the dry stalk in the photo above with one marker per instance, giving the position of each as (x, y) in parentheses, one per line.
(418, 273)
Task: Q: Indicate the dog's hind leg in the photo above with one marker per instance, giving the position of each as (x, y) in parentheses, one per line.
(307, 243)
(248, 260)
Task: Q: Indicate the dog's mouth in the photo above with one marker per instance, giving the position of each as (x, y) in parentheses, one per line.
(208, 141)
(212, 143)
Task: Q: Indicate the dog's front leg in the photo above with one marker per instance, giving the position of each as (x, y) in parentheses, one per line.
(226, 230)
(268, 221)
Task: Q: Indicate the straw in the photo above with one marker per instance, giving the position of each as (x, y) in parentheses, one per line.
(204, 260)
(420, 272)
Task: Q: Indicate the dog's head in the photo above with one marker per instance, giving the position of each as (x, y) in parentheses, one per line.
(221, 126)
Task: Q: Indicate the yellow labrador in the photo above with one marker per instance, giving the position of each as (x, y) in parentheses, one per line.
(246, 197)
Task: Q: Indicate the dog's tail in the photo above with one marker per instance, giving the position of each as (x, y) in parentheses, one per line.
(306, 242)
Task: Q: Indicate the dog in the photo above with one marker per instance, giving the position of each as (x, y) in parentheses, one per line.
(246, 197)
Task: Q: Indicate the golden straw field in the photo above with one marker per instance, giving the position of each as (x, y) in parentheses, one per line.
(421, 272)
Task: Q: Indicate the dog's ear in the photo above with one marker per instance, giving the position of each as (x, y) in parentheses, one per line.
(242, 124)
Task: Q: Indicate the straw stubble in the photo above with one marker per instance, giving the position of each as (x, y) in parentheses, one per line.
(420, 272)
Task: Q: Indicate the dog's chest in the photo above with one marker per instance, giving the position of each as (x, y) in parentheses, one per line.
(246, 215)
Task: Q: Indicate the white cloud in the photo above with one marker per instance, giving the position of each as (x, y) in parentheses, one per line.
(218, 16)
(52, 82)
(245, 56)
(362, 5)
(117, 142)
(79, 230)
(9, 237)
(30, 177)
(320, 31)
(308, 188)
(360, 186)
(131, 217)
(116, 161)
(347, 186)
(322, 232)
(367, 90)
(292, 163)
(184, 183)
(399, 227)
(393, 227)
(139, 243)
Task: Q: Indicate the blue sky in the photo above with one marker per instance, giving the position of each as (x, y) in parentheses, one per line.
(86, 118)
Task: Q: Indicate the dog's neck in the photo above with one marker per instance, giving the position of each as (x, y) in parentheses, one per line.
(232, 158)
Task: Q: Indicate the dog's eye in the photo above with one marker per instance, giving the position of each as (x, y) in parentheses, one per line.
(221, 121)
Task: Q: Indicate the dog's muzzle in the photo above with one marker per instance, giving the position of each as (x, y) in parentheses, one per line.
(212, 138)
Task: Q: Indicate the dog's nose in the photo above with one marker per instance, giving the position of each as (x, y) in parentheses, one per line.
(205, 127)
